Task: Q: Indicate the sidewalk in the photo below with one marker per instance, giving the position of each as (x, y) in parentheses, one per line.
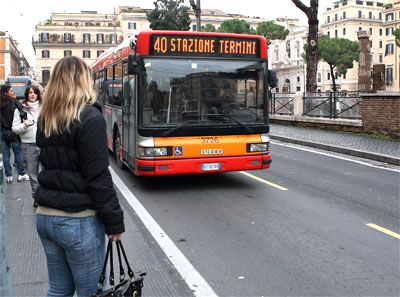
(28, 262)
(364, 146)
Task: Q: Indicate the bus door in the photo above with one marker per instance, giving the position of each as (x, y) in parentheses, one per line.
(129, 116)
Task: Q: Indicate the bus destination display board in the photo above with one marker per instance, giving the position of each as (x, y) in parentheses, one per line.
(214, 46)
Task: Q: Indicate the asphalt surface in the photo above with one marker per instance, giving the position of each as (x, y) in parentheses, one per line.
(250, 239)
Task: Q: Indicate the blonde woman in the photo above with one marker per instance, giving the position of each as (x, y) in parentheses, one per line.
(76, 198)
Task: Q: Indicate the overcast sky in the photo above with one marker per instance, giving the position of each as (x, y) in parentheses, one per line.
(21, 16)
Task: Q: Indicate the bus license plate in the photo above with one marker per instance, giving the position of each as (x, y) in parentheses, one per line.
(210, 166)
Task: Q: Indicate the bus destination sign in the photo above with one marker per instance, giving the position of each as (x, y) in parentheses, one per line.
(218, 46)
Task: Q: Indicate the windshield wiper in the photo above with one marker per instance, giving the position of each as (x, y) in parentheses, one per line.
(184, 124)
(233, 119)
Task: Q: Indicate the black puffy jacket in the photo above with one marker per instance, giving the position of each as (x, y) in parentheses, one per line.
(75, 173)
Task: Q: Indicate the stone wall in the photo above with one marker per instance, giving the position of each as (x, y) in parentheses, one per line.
(381, 113)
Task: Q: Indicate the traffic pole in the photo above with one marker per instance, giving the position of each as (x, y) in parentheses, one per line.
(5, 278)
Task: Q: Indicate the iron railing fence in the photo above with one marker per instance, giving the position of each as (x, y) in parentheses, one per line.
(281, 103)
(334, 105)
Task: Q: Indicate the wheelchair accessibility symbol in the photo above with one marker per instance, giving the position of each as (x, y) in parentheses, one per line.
(178, 151)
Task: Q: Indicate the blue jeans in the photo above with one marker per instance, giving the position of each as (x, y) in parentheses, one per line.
(75, 252)
(19, 159)
(31, 154)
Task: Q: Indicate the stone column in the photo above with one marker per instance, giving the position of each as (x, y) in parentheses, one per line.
(364, 62)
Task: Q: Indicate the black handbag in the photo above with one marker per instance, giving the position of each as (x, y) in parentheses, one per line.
(131, 286)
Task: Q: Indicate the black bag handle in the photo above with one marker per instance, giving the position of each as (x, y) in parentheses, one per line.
(121, 267)
(130, 272)
(102, 277)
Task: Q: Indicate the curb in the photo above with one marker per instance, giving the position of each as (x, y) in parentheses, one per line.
(337, 149)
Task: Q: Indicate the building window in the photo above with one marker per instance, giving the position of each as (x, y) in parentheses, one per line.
(67, 53)
(370, 31)
(389, 17)
(45, 54)
(328, 19)
(370, 15)
(344, 14)
(67, 37)
(389, 75)
(329, 76)
(86, 37)
(319, 78)
(113, 38)
(359, 14)
(380, 58)
(288, 48)
(100, 38)
(44, 37)
(380, 44)
(358, 2)
(344, 31)
(380, 16)
(99, 53)
(336, 34)
(344, 76)
(45, 76)
(298, 53)
(328, 33)
(359, 28)
(336, 17)
(380, 32)
(86, 54)
(194, 27)
(277, 56)
(389, 49)
(370, 44)
(131, 26)
(298, 79)
(389, 31)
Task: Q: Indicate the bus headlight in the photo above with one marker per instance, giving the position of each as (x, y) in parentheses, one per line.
(257, 147)
(153, 151)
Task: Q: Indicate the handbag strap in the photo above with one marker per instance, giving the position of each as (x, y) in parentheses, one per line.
(121, 267)
(102, 277)
(130, 272)
(111, 278)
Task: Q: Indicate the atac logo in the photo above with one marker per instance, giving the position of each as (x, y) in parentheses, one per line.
(211, 151)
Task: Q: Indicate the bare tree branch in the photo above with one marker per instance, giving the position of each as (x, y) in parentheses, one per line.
(300, 5)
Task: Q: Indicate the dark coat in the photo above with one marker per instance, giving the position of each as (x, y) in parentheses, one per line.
(8, 106)
(75, 173)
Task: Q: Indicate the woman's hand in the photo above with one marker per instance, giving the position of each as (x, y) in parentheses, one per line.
(115, 237)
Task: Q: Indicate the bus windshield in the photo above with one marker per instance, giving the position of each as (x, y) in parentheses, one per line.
(19, 88)
(202, 92)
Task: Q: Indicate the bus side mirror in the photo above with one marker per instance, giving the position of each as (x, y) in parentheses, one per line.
(272, 80)
(133, 64)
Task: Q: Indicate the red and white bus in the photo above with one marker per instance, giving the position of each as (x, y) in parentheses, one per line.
(181, 102)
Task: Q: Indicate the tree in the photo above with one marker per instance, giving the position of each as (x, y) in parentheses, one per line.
(272, 31)
(312, 50)
(339, 53)
(396, 34)
(208, 28)
(236, 26)
(169, 15)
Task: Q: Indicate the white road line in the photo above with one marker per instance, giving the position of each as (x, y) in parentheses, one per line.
(191, 276)
(334, 156)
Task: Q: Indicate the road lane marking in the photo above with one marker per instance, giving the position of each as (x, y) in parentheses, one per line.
(264, 181)
(334, 156)
(386, 231)
(191, 276)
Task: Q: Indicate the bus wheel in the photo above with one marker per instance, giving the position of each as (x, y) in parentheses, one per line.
(117, 144)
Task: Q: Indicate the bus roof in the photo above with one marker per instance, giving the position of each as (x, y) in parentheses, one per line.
(143, 41)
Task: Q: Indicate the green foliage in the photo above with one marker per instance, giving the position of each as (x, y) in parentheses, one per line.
(208, 28)
(272, 31)
(396, 34)
(169, 15)
(236, 26)
(338, 52)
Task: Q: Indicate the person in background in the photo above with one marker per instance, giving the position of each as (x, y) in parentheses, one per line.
(25, 126)
(10, 140)
(77, 203)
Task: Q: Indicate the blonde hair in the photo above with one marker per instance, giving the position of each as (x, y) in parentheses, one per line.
(68, 91)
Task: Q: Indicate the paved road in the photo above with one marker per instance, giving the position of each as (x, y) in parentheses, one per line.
(247, 238)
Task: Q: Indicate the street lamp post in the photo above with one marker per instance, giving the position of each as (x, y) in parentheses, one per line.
(197, 11)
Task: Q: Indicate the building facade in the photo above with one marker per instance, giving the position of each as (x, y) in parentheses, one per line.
(12, 60)
(88, 34)
(391, 55)
(285, 56)
(343, 20)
